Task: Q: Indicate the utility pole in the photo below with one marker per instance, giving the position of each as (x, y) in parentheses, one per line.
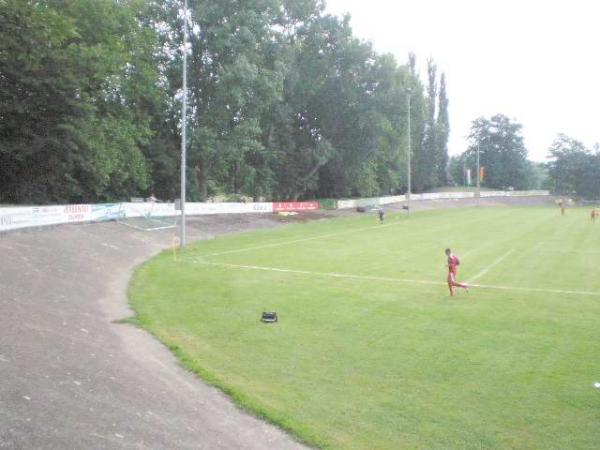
(182, 238)
(478, 190)
(408, 153)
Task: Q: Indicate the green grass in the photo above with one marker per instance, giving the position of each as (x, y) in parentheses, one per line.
(380, 363)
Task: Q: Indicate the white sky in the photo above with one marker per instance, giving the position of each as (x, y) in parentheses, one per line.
(537, 62)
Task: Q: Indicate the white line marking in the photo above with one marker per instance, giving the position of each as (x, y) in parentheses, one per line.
(322, 236)
(491, 266)
(543, 290)
(322, 274)
(114, 247)
(294, 241)
(135, 227)
(393, 280)
(585, 252)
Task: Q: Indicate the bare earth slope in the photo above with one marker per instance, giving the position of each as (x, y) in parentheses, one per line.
(72, 378)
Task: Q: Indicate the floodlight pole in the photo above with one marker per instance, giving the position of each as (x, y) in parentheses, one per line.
(182, 239)
(478, 190)
(408, 154)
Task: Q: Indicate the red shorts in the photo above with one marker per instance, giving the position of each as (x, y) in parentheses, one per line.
(451, 277)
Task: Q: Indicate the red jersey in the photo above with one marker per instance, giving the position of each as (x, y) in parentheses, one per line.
(453, 263)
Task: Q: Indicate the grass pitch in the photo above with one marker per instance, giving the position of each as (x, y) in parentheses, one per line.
(371, 352)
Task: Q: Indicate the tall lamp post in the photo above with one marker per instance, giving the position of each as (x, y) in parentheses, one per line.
(182, 238)
(478, 190)
(408, 153)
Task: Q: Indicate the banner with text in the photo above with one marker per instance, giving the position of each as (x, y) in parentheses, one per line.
(295, 206)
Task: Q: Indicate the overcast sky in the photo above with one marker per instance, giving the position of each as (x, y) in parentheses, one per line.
(537, 62)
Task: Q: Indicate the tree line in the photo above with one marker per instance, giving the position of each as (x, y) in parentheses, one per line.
(284, 103)
(572, 168)
(502, 155)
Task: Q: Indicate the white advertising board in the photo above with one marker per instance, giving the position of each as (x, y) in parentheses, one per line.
(228, 208)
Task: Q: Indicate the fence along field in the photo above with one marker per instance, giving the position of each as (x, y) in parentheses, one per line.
(12, 218)
(371, 352)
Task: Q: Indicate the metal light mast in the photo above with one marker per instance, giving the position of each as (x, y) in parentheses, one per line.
(182, 238)
(408, 156)
(478, 192)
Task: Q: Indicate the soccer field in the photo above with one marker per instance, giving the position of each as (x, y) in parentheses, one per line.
(371, 352)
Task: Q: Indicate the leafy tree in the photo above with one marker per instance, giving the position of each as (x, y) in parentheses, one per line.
(456, 166)
(442, 133)
(502, 152)
(390, 104)
(574, 169)
(285, 103)
(231, 83)
(428, 162)
(68, 130)
(538, 174)
(421, 168)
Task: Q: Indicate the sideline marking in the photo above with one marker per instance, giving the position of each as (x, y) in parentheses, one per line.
(392, 280)
(485, 270)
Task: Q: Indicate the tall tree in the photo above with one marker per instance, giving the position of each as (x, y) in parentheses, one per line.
(502, 152)
(573, 168)
(420, 168)
(285, 102)
(426, 162)
(71, 129)
(390, 104)
(442, 134)
(231, 83)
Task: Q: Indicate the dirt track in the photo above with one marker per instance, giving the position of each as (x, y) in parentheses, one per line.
(72, 378)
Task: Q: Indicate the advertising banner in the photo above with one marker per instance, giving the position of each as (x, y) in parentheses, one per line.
(106, 211)
(227, 208)
(32, 216)
(13, 218)
(295, 206)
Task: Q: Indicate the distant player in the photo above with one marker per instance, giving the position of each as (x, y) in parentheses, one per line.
(594, 214)
(453, 264)
(381, 213)
(561, 204)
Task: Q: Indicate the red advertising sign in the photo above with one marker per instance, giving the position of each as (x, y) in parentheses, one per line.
(295, 206)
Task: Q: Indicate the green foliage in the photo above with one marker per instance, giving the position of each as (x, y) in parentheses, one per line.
(573, 169)
(443, 132)
(285, 103)
(456, 170)
(73, 125)
(427, 163)
(502, 153)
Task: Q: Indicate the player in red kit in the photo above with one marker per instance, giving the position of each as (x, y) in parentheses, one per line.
(453, 263)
